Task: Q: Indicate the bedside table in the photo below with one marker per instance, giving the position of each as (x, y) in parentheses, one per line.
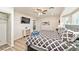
(26, 32)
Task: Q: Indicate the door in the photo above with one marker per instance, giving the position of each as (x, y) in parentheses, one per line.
(3, 32)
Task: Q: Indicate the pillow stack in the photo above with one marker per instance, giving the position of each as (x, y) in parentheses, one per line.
(68, 36)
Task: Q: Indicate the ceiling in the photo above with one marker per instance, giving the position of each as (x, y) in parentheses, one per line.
(54, 11)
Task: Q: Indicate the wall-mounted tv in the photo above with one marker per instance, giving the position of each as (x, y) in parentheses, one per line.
(25, 20)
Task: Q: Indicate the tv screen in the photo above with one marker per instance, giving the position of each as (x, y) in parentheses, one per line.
(25, 20)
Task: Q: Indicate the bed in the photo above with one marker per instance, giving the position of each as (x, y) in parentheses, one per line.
(51, 41)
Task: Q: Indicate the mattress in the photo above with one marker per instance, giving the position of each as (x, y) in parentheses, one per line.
(49, 41)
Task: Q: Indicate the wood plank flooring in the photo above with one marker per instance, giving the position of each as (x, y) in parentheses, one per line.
(4, 46)
(19, 45)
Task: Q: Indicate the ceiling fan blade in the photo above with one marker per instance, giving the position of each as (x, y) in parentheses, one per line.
(40, 10)
(45, 11)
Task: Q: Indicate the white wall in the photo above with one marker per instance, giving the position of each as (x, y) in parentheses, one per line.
(18, 27)
(10, 11)
(52, 20)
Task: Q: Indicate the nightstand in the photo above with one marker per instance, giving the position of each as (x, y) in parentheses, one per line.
(25, 32)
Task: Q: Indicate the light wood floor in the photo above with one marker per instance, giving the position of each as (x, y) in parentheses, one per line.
(2, 47)
(19, 45)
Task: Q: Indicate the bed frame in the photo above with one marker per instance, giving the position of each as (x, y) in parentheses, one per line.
(31, 49)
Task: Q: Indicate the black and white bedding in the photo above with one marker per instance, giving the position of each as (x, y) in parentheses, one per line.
(51, 41)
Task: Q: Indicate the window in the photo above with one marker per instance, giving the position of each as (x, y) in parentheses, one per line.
(66, 20)
(75, 18)
(72, 19)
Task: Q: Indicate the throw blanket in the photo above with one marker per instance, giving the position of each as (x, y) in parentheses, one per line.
(50, 41)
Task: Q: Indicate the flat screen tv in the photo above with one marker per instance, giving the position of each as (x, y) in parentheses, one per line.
(25, 20)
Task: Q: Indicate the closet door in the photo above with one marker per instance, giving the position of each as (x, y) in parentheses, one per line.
(3, 32)
(3, 29)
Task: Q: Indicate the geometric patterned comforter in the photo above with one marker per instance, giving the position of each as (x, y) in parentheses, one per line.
(50, 41)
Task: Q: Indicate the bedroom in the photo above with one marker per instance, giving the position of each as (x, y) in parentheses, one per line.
(41, 18)
(48, 24)
(45, 29)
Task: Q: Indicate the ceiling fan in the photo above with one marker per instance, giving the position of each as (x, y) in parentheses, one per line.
(41, 11)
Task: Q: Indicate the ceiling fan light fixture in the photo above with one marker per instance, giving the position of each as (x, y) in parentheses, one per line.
(40, 11)
(39, 14)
